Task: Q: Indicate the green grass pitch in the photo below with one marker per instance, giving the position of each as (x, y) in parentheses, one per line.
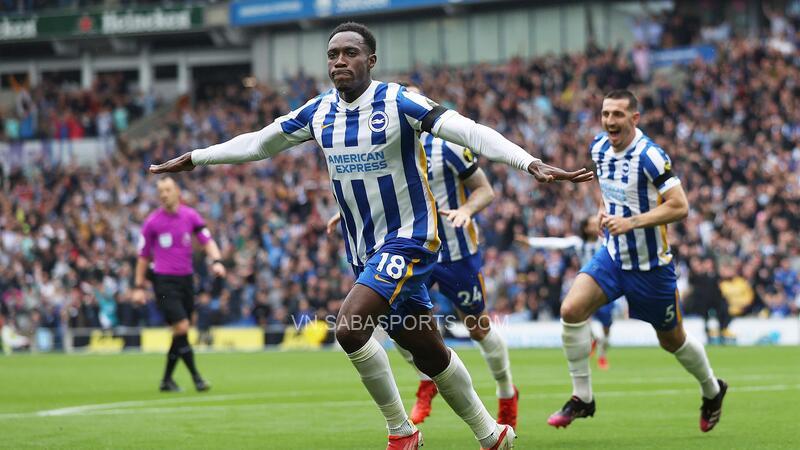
(314, 400)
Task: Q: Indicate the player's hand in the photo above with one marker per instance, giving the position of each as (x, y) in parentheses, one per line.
(617, 225)
(333, 222)
(545, 173)
(139, 296)
(182, 163)
(458, 217)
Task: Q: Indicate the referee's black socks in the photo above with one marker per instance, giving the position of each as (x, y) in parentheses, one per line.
(172, 358)
(183, 349)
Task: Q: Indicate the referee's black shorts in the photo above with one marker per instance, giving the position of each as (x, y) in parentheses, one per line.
(174, 296)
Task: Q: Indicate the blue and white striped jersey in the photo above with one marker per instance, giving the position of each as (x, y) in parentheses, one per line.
(448, 166)
(632, 182)
(378, 169)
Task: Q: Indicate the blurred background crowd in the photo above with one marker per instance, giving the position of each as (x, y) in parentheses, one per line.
(732, 128)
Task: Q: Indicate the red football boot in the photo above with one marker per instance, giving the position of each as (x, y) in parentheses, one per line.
(422, 408)
(507, 410)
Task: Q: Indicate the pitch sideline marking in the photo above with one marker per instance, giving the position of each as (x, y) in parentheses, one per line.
(119, 408)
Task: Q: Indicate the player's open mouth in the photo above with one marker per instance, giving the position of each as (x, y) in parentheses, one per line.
(613, 133)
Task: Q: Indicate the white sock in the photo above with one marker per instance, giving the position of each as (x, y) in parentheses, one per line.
(372, 363)
(602, 345)
(692, 357)
(455, 385)
(577, 342)
(494, 351)
(410, 358)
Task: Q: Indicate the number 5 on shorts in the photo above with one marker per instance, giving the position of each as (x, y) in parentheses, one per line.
(669, 314)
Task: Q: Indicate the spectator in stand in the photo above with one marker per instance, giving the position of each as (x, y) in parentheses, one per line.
(738, 293)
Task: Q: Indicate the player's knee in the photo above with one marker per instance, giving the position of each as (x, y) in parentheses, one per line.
(571, 312)
(351, 340)
(478, 333)
(671, 342)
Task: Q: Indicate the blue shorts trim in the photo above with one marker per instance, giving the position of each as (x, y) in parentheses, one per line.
(652, 295)
(398, 272)
(461, 282)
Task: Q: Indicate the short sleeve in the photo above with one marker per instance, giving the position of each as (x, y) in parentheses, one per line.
(145, 244)
(461, 159)
(199, 227)
(658, 169)
(416, 108)
(296, 125)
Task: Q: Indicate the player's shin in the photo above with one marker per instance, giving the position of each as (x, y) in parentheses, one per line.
(495, 352)
(693, 358)
(577, 342)
(455, 386)
(410, 359)
(372, 363)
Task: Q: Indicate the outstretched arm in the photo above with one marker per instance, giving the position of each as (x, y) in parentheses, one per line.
(254, 146)
(285, 132)
(453, 127)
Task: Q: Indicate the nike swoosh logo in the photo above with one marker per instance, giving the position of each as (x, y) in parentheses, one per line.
(326, 126)
(379, 278)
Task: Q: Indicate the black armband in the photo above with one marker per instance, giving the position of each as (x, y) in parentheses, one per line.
(468, 173)
(661, 179)
(430, 118)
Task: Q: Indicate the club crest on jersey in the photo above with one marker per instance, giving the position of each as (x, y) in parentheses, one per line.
(378, 121)
(626, 168)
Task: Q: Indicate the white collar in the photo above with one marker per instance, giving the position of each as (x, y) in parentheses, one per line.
(357, 102)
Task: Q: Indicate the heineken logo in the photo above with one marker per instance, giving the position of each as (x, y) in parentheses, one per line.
(17, 29)
(146, 21)
(100, 23)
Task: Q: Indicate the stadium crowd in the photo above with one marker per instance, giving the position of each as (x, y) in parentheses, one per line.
(732, 128)
(58, 110)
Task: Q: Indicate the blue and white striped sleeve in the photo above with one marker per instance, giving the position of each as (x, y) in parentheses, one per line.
(658, 169)
(296, 125)
(420, 111)
(461, 158)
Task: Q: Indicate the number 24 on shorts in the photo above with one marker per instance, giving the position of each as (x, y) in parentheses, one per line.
(467, 300)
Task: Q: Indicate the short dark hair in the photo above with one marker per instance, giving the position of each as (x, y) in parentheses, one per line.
(359, 28)
(624, 94)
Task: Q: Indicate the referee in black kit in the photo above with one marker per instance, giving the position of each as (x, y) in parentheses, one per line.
(166, 239)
